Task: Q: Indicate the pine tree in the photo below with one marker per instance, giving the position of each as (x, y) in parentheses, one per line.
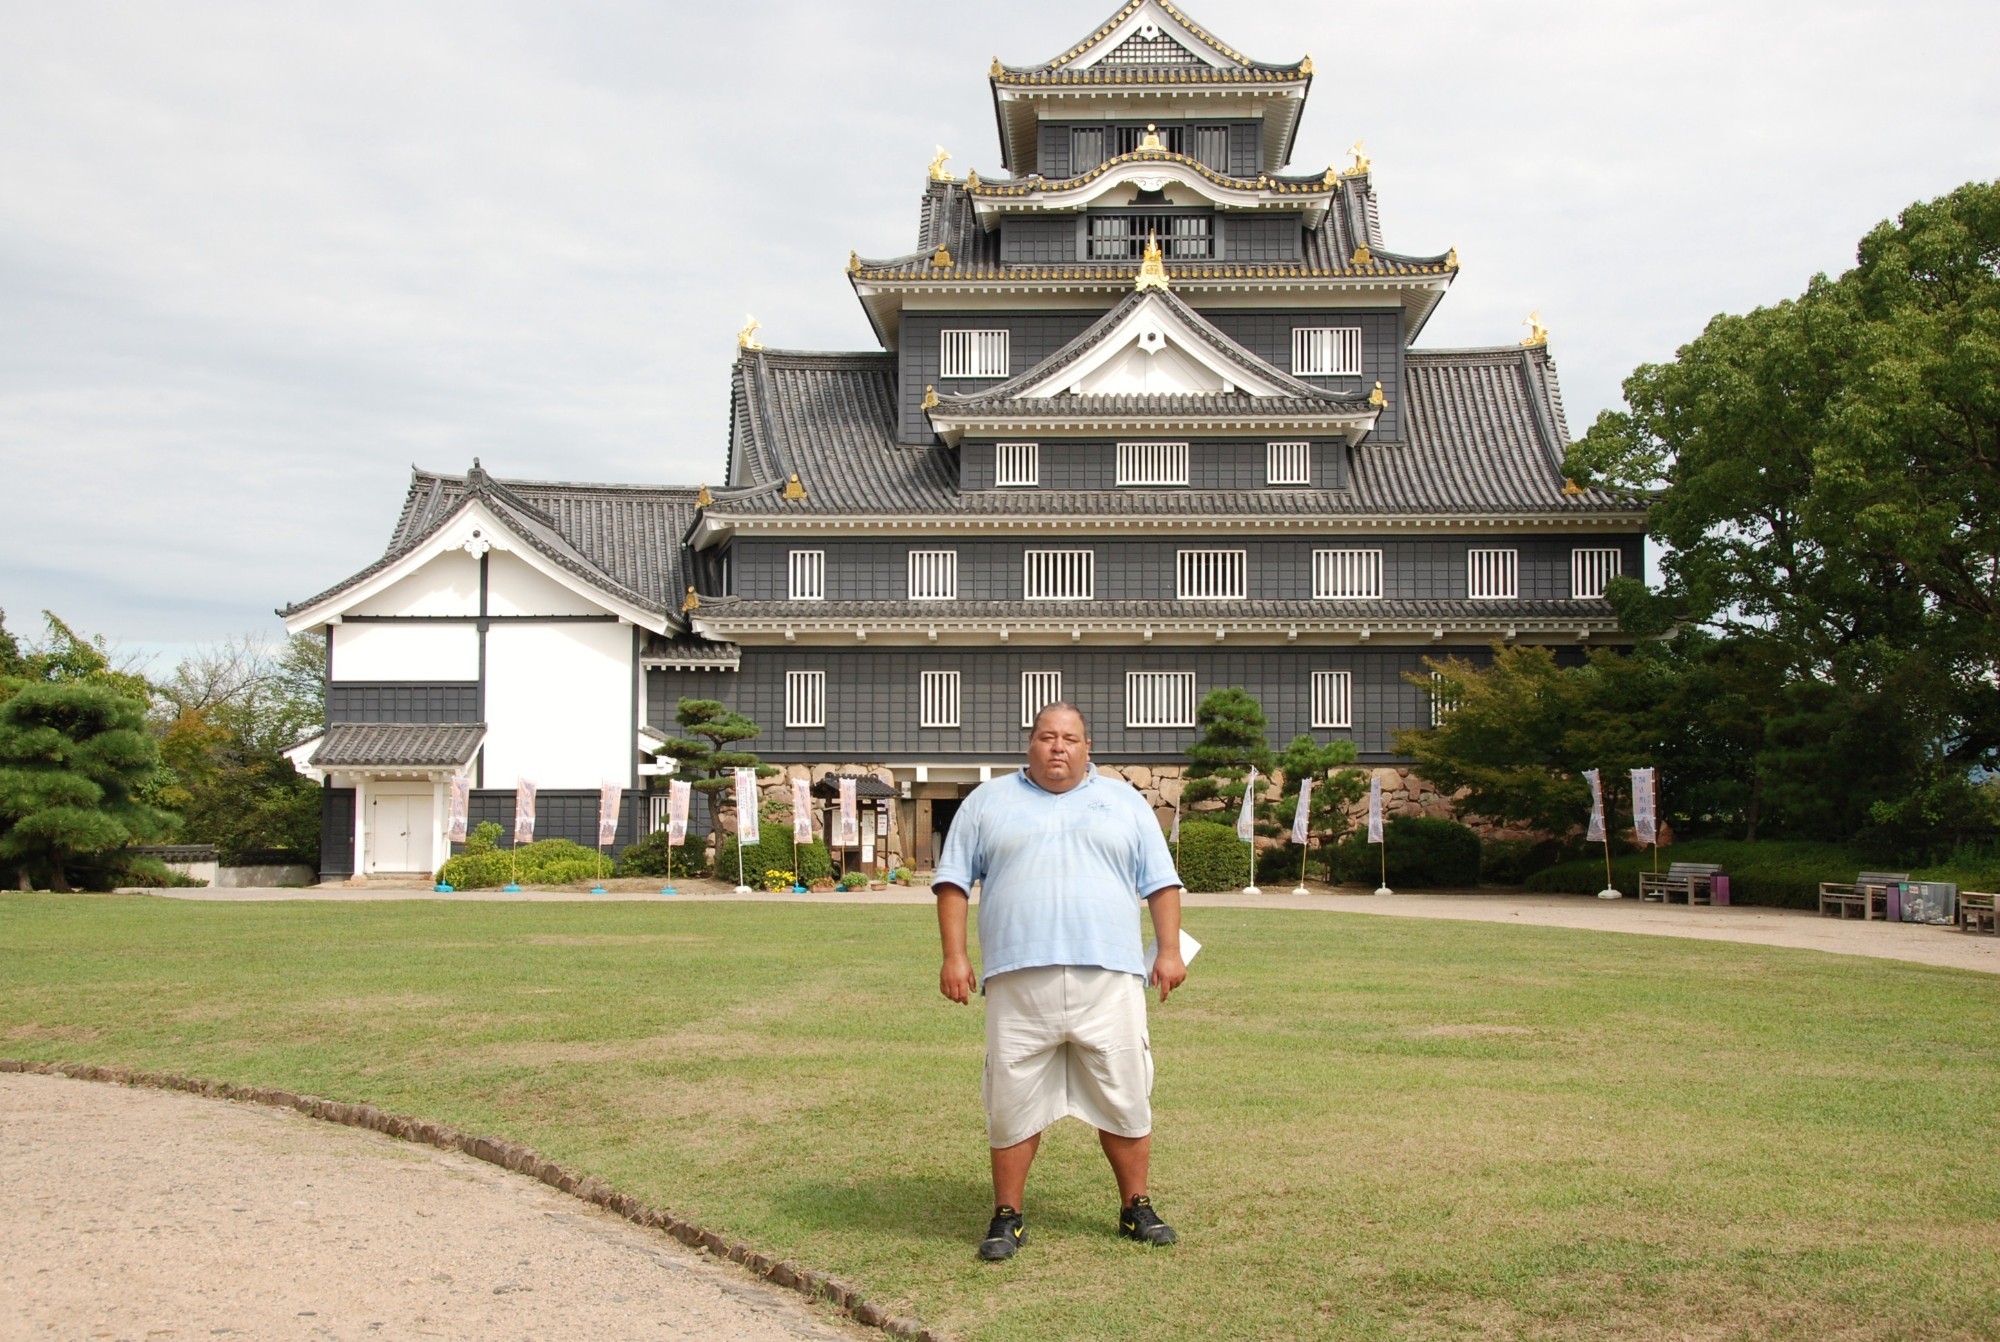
(1333, 792)
(704, 754)
(73, 757)
(1232, 742)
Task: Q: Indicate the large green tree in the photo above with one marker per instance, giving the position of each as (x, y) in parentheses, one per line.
(74, 758)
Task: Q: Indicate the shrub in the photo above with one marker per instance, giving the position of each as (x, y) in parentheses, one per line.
(1425, 853)
(654, 856)
(854, 880)
(1212, 858)
(1512, 861)
(773, 852)
(1773, 873)
(777, 882)
(153, 874)
(484, 838)
(543, 862)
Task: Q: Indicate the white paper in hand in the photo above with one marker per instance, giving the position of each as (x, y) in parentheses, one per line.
(1189, 949)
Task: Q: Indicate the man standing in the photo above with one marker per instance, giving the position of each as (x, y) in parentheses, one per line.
(1064, 857)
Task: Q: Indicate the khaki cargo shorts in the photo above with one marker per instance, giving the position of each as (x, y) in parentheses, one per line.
(1066, 1040)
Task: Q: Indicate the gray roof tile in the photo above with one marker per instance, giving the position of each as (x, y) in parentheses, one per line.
(1489, 612)
(399, 745)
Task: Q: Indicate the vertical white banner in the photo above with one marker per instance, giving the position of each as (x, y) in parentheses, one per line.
(802, 811)
(746, 806)
(1645, 823)
(524, 812)
(1595, 834)
(1246, 817)
(850, 815)
(1375, 808)
(461, 808)
(609, 796)
(679, 793)
(1302, 818)
(1175, 836)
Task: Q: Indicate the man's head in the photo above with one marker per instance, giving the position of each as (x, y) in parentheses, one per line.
(1058, 748)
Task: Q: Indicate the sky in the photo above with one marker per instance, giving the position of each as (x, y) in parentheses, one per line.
(259, 258)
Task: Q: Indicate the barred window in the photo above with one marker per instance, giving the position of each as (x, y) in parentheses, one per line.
(1326, 351)
(805, 698)
(973, 354)
(1492, 575)
(1017, 464)
(1058, 575)
(1347, 575)
(940, 699)
(1288, 464)
(1152, 463)
(1441, 702)
(1211, 147)
(1086, 148)
(1159, 698)
(933, 575)
(1039, 689)
(808, 580)
(1590, 571)
(1213, 575)
(1333, 698)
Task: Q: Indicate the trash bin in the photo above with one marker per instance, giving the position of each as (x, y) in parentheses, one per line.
(1718, 889)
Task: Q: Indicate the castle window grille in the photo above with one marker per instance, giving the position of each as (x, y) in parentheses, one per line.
(1086, 148)
(1590, 571)
(1058, 575)
(1211, 147)
(973, 354)
(1213, 575)
(1127, 139)
(1159, 698)
(1347, 575)
(1492, 575)
(805, 698)
(1017, 464)
(1039, 689)
(940, 699)
(1122, 237)
(1154, 49)
(1326, 351)
(1288, 464)
(808, 576)
(933, 575)
(1442, 703)
(1333, 698)
(1152, 463)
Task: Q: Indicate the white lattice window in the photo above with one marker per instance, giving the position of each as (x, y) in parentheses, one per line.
(1017, 464)
(940, 699)
(1442, 702)
(1039, 689)
(1159, 698)
(1493, 575)
(1590, 571)
(808, 580)
(1288, 464)
(933, 575)
(805, 698)
(1152, 463)
(973, 354)
(1213, 575)
(1347, 575)
(1333, 698)
(1326, 351)
(1058, 575)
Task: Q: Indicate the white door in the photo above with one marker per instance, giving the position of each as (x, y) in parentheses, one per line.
(390, 849)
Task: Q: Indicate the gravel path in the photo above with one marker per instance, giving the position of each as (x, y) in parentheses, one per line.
(141, 1214)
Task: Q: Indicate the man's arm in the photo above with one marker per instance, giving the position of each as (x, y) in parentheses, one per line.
(1169, 970)
(955, 978)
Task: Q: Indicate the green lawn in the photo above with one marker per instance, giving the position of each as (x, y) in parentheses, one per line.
(1367, 1127)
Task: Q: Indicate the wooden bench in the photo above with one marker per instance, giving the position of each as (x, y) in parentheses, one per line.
(1867, 894)
(1690, 880)
(1975, 911)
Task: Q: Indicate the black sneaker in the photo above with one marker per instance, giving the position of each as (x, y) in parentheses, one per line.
(1140, 1222)
(1006, 1235)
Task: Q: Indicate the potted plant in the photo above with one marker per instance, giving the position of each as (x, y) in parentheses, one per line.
(903, 875)
(853, 880)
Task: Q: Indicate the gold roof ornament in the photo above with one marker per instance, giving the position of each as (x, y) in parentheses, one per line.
(1151, 144)
(1362, 256)
(1571, 488)
(941, 258)
(853, 263)
(1451, 259)
(930, 397)
(1376, 398)
(1332, 178)
(1362, 163)
(938, 174)
(794, 491)
(692, 602)
(747, 337)
(972, 180)
(1152, 269)
(1538, 334)
(998, 68)
(704, 499)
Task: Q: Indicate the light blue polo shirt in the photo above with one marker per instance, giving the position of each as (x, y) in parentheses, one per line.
(1063, 872)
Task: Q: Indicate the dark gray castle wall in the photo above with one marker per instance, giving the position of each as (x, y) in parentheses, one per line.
(336, 833)
(1213, 463)
(402, 701)
(568, 814)
(1268, 335)
(1034, 337)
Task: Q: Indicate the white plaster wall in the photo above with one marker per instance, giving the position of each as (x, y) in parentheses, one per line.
(514, 587)
(447, 585)
(558, 704)
(405, 652)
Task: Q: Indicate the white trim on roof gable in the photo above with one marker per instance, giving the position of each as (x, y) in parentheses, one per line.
(1152, 16)
(1149, 173)
(1152, 351)
(474, 528)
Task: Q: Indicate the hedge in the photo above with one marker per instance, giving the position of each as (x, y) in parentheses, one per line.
(1774, 873)
(1212, 858)
(544, 862)
(1423, 853)
(654, 856)
(773, 852)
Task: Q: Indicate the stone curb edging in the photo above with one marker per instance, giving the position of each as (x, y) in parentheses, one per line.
(522, 1160)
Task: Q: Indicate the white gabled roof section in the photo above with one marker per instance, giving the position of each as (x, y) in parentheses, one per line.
(1154, 352)
(1151, 172)
(474, 528)
(1152, 21)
